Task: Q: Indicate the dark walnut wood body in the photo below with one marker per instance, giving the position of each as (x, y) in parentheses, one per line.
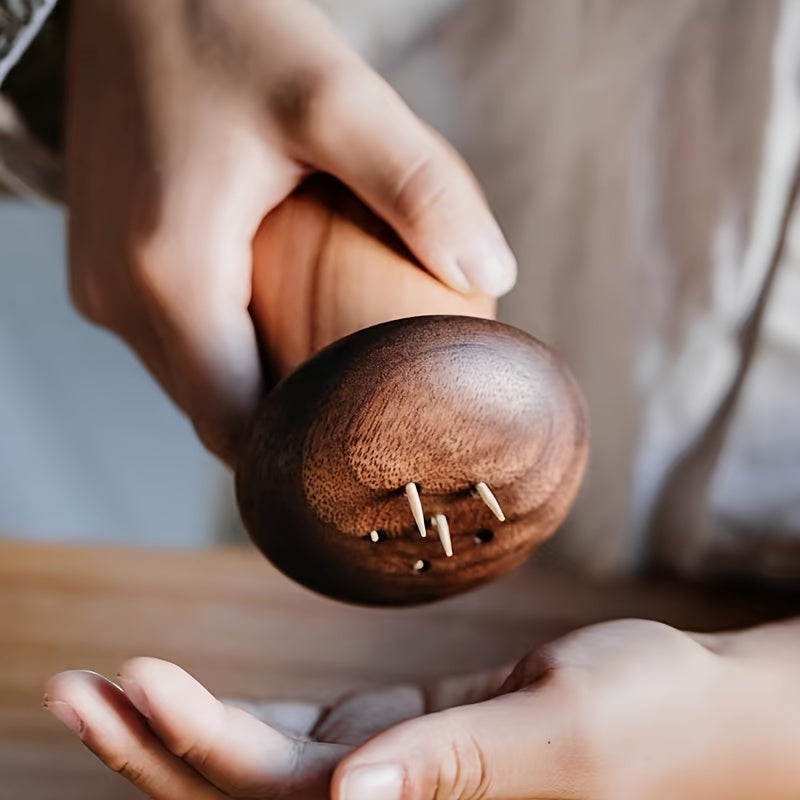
(441, 401)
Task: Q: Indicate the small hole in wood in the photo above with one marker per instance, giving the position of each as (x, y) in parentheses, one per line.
(421, 566)
(484, 536)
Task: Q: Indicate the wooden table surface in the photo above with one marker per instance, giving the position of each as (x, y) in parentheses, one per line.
(245, 630)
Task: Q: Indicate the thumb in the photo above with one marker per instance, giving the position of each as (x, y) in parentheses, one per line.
(516, 745)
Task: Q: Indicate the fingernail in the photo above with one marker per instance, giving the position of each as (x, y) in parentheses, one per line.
(490, 266)
(65, 714)
(375, 782)
(136, 695)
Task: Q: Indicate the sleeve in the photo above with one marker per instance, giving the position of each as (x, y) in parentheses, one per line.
(20, 21)
(30, 118)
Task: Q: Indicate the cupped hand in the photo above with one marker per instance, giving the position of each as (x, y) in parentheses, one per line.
(629, 710)
(187, 123)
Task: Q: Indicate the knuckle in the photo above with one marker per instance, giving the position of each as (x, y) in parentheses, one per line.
(569, 688)
(462, 770)
(304, 103)
(88, 298)
(216, 439)
(419, 189)
(199, 750)
(167, 271)
(150, 269)
(132, 770)
(195, 753)
(583, 735)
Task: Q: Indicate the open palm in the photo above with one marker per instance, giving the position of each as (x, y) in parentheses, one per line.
(629, 709)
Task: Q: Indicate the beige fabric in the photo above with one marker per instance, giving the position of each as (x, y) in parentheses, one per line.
(730, 502)
(20, 21)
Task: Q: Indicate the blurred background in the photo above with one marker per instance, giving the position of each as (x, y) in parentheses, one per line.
(90, 448)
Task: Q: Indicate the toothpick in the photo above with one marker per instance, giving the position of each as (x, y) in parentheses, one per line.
(444, 534)
(485, 493)
(374, 536)
(412, 493)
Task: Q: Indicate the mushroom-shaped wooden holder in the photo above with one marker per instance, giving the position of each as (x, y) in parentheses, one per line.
(444, 404)
(439, 414)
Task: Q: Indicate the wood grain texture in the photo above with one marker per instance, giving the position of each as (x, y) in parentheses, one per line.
(324, 266)
(440, 401)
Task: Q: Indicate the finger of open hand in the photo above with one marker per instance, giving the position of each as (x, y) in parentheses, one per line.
(104, 719)
(234, 750)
